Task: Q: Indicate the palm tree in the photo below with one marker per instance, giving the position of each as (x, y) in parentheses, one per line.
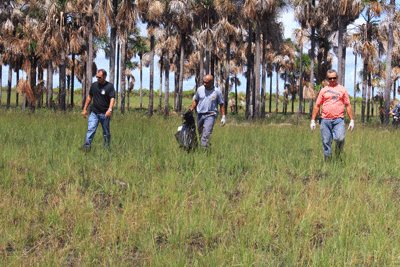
(388, 80)
(261, 12)
(93, 23)
(309, 16)
(343, 12)
(126, 19)
(227, 29)
(368, 33)
(301, 37)
(131, 83)
(140, 45)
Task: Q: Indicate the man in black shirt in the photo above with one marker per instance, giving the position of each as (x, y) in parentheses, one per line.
(103, 95)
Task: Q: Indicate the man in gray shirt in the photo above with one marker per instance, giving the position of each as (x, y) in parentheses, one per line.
(206, 101)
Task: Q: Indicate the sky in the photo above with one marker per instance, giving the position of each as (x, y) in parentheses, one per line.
(289, 23)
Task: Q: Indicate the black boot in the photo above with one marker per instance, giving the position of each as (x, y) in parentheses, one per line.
(339, 147)
(327, 158)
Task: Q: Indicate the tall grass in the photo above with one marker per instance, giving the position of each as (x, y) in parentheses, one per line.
(261, 196)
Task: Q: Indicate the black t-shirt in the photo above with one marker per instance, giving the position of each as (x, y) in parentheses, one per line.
(101, 95)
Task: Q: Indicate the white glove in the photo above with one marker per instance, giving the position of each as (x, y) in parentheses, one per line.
(223, 120)
(312, 125)
(351, 125)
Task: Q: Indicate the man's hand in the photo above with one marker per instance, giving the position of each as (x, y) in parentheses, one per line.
(84, 113)
(313, 126)
(108, 114)
(351, 125)
(223, 120)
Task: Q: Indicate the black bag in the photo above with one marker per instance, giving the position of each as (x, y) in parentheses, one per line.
(187, 134)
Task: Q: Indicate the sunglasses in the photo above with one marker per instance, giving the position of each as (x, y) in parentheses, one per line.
(332, 78)
(99, 77)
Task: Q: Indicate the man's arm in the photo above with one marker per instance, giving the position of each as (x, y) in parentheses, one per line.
(223, 111)
(315, 112)
(110, 107)
(194, 104)
(350, 111)
(223, 120)
(84, 111)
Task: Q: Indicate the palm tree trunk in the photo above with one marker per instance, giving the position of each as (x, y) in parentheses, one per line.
(340, 50)
(364, 90)
(127, 92)
(117, 80)
(166, 103)
(151, 89)
(293, 98)
(264, 78)
(236, 96)
(365, 77)
(32, 81)
(277, 92)
(141, 81)
(312, 58)
(9, 82)
(176, 86)
(89, 56)
(227, 70)
(369, 97)
(123, 67)
(270, 92)
(72, 80)
(84, 89)
(248, 72)
(208, 62)
(113, 44)
(372, 101)
(344, 64)
(257, 61)
(212, 63)
(388, 80)
(68, 88)
(201, 67)
(301, 81)
(16, 94)
(355, 84)
(62, 94)
(161, 82)
(181, 74)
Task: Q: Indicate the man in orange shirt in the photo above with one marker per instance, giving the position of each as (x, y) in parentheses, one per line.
(333, 98)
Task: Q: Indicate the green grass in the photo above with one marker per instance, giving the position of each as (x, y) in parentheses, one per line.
(261, 197)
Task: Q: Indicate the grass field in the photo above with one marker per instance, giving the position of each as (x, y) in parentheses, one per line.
(262, 196)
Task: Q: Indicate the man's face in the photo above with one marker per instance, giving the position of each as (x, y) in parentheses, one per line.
(100, 78)
(208, 83)
(332, 78)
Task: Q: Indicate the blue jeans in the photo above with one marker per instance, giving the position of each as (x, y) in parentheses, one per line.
(93, 123)
(205, 126)
(335, 129)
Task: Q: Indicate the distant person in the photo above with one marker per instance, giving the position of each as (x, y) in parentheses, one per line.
(396, 115)
(333, 98)
(103, 95)
(206, 101)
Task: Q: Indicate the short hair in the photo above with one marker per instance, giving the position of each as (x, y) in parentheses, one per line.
(103, 71)
(331, 71)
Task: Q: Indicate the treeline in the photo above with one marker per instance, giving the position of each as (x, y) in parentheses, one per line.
(194, 38)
